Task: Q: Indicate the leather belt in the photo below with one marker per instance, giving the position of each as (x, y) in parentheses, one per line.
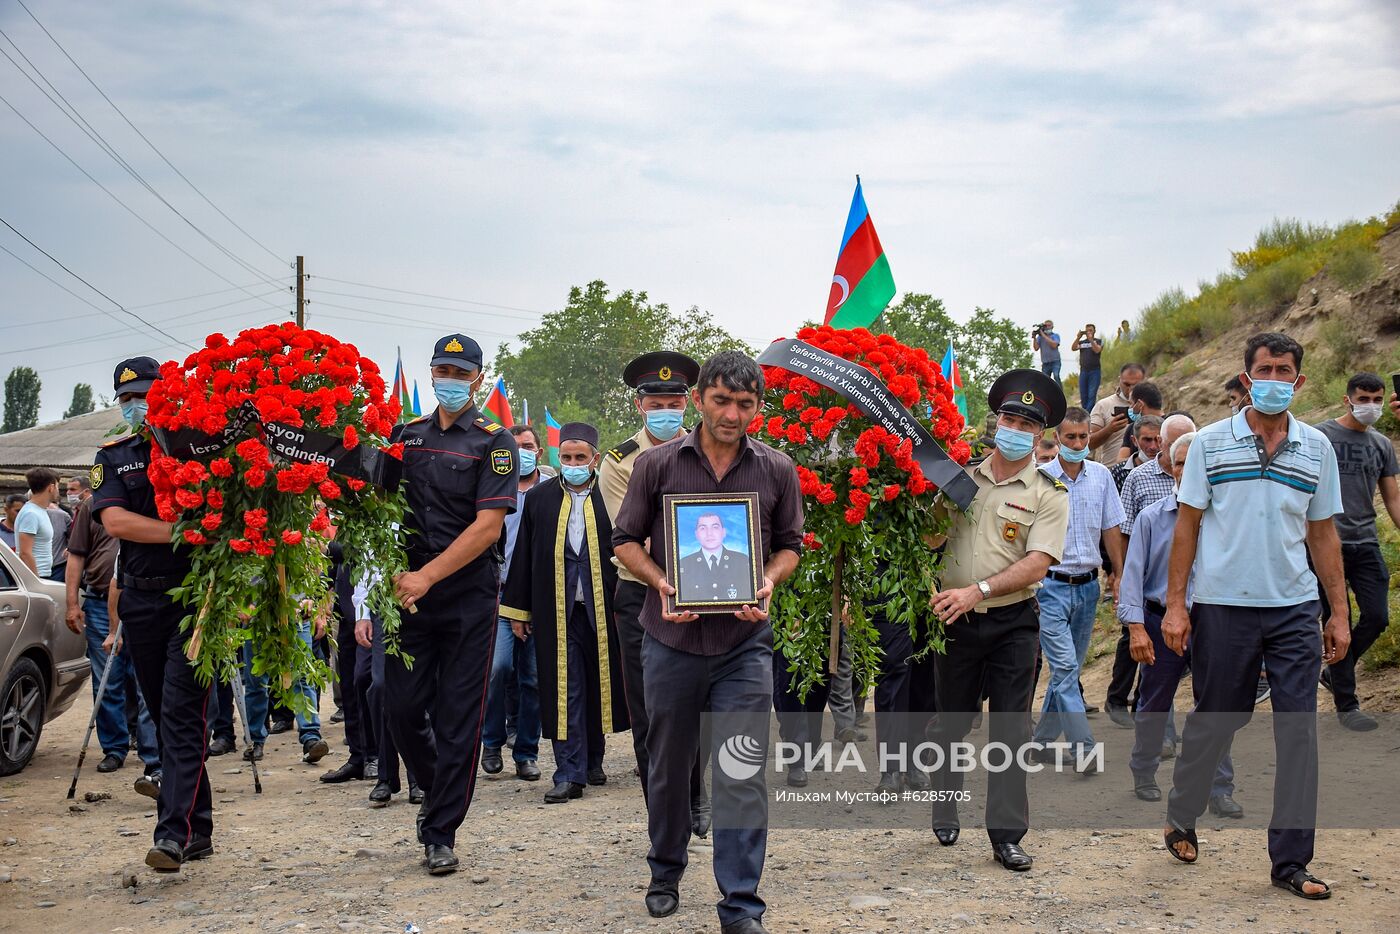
(1071, 578)
(151, 584)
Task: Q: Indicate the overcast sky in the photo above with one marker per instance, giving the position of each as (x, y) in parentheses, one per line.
(1068, 161)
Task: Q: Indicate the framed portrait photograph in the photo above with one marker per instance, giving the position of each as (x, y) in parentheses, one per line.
(712, 551)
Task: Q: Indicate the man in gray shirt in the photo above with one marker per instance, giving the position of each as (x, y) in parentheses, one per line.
(1365, 460)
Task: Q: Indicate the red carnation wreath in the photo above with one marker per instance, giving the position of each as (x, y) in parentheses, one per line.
(265, 447)
(867, 500)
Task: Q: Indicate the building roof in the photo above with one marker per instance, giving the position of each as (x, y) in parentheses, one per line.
(66, 446)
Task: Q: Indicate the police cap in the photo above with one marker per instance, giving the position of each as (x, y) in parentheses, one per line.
(662, 373)
(135, 375)
(1030, 394)
(457, 350)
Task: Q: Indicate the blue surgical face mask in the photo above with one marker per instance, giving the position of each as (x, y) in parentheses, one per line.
(664, 423)
(528, 460)
(1134, 415)
(454, 395)
(134, 411)
(1073, 456)
(1270, 396)
(576, 475)
(1013, 443)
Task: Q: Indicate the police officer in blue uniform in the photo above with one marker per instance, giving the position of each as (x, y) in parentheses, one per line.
(459, 476)
(123, 500)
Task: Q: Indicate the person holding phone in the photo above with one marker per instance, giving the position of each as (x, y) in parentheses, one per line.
(1090, 349)
(1108, 420)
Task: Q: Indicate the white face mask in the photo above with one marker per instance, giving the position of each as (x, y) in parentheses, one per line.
(1367, 413)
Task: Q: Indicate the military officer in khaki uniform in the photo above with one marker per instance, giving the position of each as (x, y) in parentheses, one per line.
(997, 554)
(662, 380)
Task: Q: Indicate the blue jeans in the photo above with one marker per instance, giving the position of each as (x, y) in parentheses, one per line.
(111, 714)
(256, 697)
(1089, 381)
(1066, 622)
(1051, 369)
(512, 653)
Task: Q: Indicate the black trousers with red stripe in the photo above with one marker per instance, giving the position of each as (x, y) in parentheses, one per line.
(179, 706)
(450, 639)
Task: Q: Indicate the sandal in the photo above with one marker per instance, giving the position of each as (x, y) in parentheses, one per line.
(1175, 836)
(1295, 883)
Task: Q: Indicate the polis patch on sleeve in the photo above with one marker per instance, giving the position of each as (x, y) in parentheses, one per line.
(501, 462)
(96, 477)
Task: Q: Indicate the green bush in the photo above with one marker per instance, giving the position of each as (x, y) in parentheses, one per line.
(1354, 266)
(1277, 283)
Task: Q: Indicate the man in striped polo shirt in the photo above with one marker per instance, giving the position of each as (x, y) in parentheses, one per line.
(1257, 496)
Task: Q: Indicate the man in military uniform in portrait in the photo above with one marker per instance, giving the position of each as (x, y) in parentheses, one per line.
(149, 566)
(998, 551)
(662, 380)
(714, 573)
(459, 477)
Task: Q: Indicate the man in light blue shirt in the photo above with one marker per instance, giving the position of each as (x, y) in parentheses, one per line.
(33, 528)
(1069, 596)
(1257, 497)
(1142, 597)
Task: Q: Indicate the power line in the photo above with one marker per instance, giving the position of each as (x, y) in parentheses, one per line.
(109, 298)
(69, 110)
(399, 301)
(378, 316)
(130, 210)
(445, 298)
(144, 138)
(108, 359)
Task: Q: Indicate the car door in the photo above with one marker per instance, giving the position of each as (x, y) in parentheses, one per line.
(14, 608)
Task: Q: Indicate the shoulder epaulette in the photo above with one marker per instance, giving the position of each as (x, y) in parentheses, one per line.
(421, 418)
(624, 449)
(121, 440)
(486, 425)
(1054, 482)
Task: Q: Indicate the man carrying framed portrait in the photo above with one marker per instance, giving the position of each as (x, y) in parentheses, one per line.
(721, 660)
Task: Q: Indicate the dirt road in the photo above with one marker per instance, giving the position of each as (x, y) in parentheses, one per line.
(310, 857)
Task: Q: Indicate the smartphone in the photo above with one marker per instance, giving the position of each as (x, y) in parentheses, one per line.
(1123, 410)
(1395, 381)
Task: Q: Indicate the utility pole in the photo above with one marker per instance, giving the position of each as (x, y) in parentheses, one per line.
(301, 291)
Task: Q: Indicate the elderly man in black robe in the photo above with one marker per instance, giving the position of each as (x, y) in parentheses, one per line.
(560, 588)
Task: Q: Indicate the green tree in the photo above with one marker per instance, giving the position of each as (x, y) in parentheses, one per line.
(21, 399)
(573, 361)
(82, 402)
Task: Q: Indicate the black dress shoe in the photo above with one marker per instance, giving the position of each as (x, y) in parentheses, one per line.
(440, 859)
(700, 821)
(1119, 715)
(380, 795)
(597, 776)
(744, 926)
(221, 746)
(110, 763)
(314, 750)
(917, 780)
(148, 785)
(1145, 787)
(663, 898)
(349, 772)
(890, 783)
(372, 769)
(563, 791)
(491, 761)
(527, 771)
(946, 836)
(253, 753)
(338, 716)
(797, 776)
(165, 856)
(280, 726)
(1011, 856)
(415, 794)
(199, 848)
(1354, 720)
(1225, 806)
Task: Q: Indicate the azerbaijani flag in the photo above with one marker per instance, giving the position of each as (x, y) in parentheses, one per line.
(551, 437)
(417, 406)
(862, 285)
(953, 374)
(407, 409)
(497, 407)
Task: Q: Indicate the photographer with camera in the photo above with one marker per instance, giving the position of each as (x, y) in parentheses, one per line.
(1090, 349)
(1045, 340)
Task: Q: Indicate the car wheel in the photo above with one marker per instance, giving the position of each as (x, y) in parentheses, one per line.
(23, 702)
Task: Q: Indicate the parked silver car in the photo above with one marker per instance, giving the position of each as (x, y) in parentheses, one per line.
(43, 666)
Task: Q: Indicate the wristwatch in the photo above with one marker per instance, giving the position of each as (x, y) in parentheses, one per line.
(986, 589)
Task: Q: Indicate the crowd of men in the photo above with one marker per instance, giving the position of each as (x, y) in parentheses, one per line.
(538, 604)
